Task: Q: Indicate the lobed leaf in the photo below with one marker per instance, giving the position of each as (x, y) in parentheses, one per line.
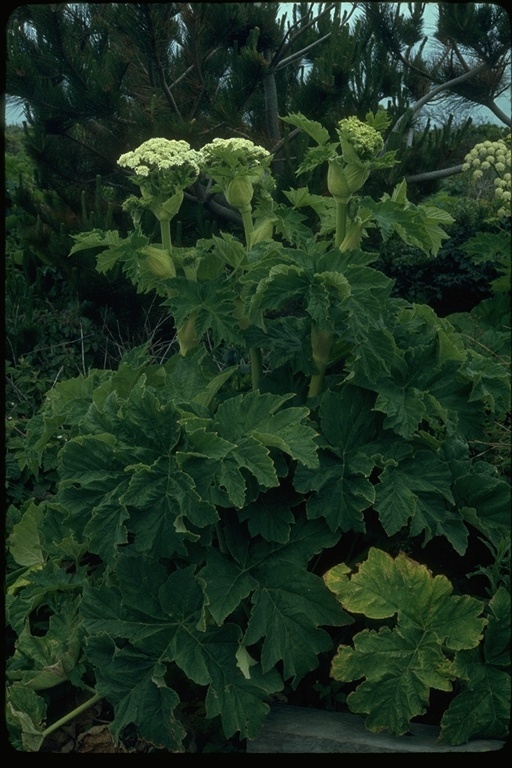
(402, 663)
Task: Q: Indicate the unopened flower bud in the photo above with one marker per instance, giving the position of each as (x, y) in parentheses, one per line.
(159, 262)
(344, 180)
(239, 192)
(187, 337)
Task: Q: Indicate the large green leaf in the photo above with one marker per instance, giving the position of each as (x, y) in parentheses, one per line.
(342, 489)
(384, 586)
(484, 500)
(400, 664)
(417, 492)
(481, 712)
(92, 481)
(25, 539)
(51, 585)
(25, 713)
(164, 504)
(311, 127)
(66, 404)
(289, 604)
(226, 583)
(210, 303)
(222, 452)
(134, 683)
(42, 662)
(262, 417)
(417, 225)
(168, 627)
(482, 708)
(270, 516)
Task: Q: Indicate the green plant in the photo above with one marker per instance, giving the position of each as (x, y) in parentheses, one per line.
(437, 638)
(199, 497)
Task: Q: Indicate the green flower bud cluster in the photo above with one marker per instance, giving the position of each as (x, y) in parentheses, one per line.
(491, 160)
(366, 141)
(360, 145)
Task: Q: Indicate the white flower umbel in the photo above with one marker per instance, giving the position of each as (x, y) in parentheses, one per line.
(236, 165)
(489, 163)
(162, 169)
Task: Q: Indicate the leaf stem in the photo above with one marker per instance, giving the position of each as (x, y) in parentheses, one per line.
(248, 224)
(255, 353)
(341, 221)
(321, 343)
(256, 367)
(165, 229)
(71, 715)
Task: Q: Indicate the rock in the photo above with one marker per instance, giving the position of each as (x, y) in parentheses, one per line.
(298, 729)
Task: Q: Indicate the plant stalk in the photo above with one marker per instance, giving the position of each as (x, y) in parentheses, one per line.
(341, 221)
(70, 715)
(321, 344)
(256, 367)
(248, 223)
(165, 229)
(255, 353)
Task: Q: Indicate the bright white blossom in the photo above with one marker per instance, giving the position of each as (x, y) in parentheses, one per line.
(170, 164)
(162, 168)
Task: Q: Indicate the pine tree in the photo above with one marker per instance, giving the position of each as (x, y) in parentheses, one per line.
(98, 79)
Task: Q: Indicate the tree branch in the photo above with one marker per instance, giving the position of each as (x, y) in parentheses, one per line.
(298, 54)
(505, 119)
(285, 45)
(431, 175)
(212, 203)
(434, 92)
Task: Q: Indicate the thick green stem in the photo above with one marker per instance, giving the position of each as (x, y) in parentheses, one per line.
(220, 538)
(341, 221)
(71, 715)
(165, 229)
(256, 367)
(321, 344)
(255, 353)
(248, 223)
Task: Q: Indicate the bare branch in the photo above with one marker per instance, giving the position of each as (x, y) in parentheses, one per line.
(505, 119)
(199, 193)
(284, 46)
(431, 175)
(294, 56)
(435, 91)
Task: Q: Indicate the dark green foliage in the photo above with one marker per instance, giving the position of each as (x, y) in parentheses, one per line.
(179, 554)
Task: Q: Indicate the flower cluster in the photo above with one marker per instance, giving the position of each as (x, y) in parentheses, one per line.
(228, 157)
(365, 140)
(166, 163)
(492, 159)
(235, 165)
(162, 168)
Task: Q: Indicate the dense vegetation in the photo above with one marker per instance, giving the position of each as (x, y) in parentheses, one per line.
(258, 427)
